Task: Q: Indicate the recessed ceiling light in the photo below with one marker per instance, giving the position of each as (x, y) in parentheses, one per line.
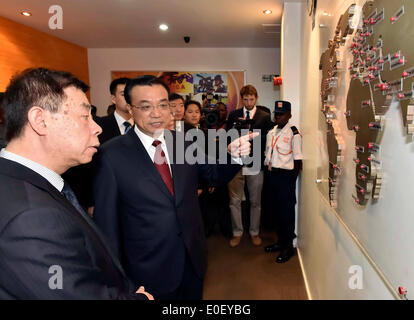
(163, 27)
(26, 13)
(325, 13)
(267, 11)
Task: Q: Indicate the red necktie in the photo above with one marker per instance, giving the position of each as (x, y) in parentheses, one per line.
(160, 163)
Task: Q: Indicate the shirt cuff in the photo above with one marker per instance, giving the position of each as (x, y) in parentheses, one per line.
(237, 160)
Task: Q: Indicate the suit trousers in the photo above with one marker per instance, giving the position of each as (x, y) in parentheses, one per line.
(281, 190)
(190, 288)
(236, 191)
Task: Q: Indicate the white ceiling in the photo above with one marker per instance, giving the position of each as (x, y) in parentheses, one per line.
(134, 23)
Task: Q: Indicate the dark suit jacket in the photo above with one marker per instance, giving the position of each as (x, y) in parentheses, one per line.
(39, 228)
(151, 230)
(261, 121)
(109, 127)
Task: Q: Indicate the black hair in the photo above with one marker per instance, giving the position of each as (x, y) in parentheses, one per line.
(192, 102)
(175, 96)
(219, 103)
(142, 81)
(111, 109)
(114, 84)
(93, 110)
(35, 87)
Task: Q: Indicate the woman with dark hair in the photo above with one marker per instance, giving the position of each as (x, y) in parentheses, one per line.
(212, 204)
(192, 114)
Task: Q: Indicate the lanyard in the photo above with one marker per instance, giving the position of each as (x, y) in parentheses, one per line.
(273, 144)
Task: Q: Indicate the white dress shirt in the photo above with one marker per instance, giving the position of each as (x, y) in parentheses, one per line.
(51, 176)
(147, 142)
(251, 112)
(120, 121)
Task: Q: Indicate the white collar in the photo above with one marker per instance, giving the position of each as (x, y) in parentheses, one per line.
(120, 120)
(148, 140)
(252, 112)
(51, 176)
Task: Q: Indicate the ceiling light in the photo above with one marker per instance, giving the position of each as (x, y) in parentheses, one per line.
(26, 13)
(163, 27)
(325, 13)
(267, 11)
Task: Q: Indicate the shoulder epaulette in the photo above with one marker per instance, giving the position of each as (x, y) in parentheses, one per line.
(294, 130)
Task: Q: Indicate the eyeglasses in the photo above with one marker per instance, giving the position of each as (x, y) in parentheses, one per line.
(147, 108)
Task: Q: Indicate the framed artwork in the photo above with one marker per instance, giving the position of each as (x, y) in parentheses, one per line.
(219, 86)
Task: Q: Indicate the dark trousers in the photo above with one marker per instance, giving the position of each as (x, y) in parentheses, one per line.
(190, 288)
(281, 189)
(215, 209)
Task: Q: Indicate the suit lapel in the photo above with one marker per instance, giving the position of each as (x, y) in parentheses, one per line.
(100, 237)
(239, 114)
(21, 172)
(258, 118)
(115, 127)
(143, 160)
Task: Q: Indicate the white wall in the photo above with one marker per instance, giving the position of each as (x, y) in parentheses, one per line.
(255, 61)
(327, 250)
(291, 57)
(291, 43)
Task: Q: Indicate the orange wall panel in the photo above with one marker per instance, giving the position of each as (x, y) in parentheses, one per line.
(23, 47)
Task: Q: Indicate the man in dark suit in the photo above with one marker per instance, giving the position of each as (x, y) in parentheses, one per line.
(253, 118)
(120, 121)
(49, 247)
(146, 199)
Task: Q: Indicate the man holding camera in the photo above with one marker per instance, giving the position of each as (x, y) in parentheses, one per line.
(251, 117)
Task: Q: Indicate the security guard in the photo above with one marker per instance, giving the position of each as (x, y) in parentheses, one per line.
(283, 161)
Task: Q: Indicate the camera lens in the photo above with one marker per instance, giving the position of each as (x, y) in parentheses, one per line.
(211, 118)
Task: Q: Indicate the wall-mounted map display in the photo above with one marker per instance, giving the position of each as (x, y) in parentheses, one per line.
(378, 44)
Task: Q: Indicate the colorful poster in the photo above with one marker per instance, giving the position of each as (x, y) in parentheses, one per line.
(213, 87)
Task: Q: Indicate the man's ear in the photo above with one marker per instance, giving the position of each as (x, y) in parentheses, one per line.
(129, 109)
(37, 120)
(113, 98)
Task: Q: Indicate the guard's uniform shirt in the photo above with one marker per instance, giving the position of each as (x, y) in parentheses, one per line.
(283, 146)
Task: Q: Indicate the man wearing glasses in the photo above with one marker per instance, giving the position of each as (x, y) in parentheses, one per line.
(146, 201)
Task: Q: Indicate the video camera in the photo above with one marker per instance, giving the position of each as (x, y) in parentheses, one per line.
(211, 113)
(242, 123)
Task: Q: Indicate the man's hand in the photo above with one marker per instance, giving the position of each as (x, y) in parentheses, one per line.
(297, 167)
(142, 290)
(90, 211)
(241, 146)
